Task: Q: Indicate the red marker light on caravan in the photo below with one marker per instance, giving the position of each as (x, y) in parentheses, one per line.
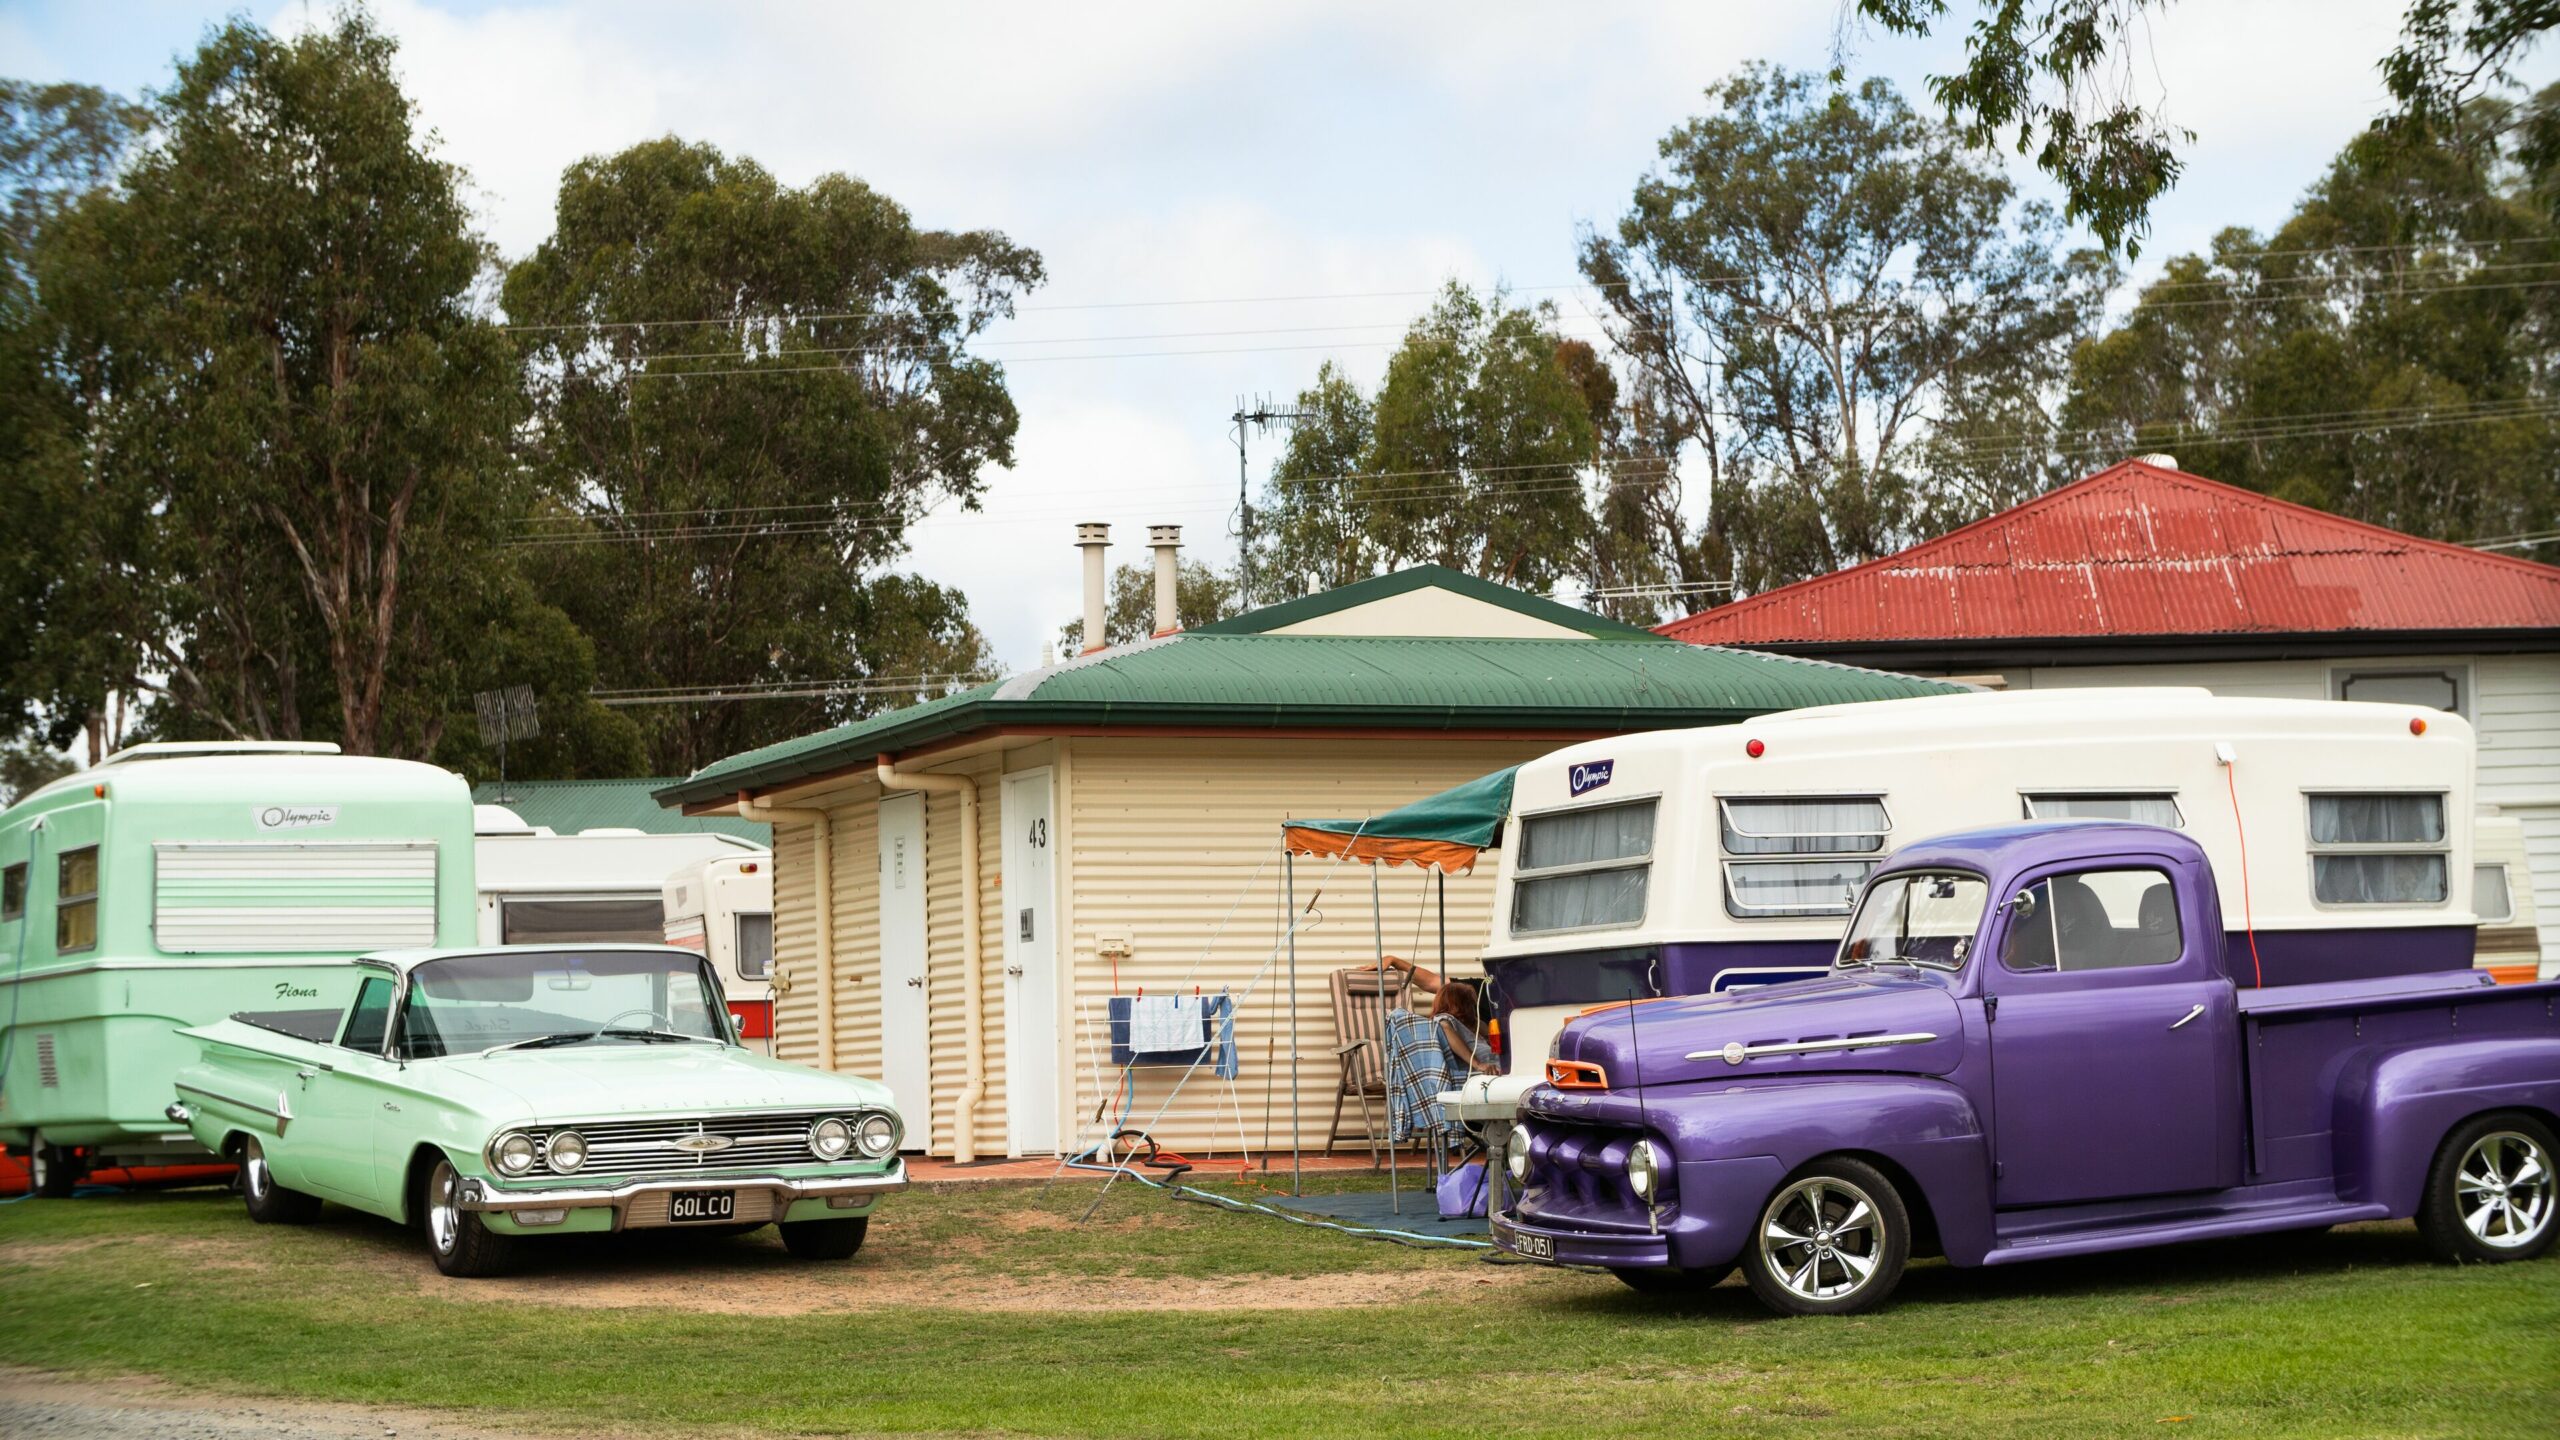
(2417, 724)
(1754, 749)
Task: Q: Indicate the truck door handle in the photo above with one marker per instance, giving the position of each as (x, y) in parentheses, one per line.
(2190, 1015)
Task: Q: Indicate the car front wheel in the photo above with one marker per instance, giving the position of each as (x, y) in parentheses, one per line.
(1832, 1241)
(270, 1203)
(2491, 1193)
(825, 1239)
(464, 1246)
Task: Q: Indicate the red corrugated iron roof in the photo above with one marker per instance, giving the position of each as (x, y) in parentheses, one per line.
(2140, 550)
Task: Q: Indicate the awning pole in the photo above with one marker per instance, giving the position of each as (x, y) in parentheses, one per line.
(1386, 1040)
(1289, 927)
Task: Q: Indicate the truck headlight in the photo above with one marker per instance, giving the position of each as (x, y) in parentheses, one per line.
(1515, 1153)
(567, 1151)
(513, 1153)
(1644, 1169)
(876, 1134)
(830, 1139)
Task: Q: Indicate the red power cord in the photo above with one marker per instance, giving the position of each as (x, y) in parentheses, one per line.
(2248, 906)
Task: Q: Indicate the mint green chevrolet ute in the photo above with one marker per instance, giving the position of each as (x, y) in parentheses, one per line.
(493, 1094)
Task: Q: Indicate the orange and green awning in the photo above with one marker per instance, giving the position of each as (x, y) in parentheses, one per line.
(1442, 832)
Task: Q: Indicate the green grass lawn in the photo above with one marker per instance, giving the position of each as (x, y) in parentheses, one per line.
(992, 1311)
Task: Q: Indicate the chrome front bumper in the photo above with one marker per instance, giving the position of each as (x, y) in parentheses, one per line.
(781, 1192)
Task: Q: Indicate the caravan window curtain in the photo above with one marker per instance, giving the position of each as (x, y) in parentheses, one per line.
(2379, 850)
(1583, 869)
(2145, 808)
(1848, 829)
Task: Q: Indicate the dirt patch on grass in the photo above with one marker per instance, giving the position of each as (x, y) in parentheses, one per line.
(138, 1406)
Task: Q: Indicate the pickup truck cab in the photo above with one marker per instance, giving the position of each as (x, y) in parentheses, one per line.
(2030, 1044)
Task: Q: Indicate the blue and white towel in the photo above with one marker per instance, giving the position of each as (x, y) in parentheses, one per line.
(1159, 1023)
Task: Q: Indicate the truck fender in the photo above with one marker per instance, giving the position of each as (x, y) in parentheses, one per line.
(2394, 1108)
(1924, 1131)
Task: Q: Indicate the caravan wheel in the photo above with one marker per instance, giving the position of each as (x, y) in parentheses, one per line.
(53, 1171)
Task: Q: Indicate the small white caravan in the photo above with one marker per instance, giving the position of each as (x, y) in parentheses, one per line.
(723, 907)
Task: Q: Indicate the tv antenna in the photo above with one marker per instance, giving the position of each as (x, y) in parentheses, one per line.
(1258, 413)
(505, 715)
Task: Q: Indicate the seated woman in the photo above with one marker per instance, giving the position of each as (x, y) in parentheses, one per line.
(1454, 1013)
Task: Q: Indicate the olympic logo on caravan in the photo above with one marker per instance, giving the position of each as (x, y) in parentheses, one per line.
(296, 817)
(1589, 775)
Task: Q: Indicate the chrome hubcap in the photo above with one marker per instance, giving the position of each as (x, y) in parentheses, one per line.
(444, 1217)
(253, 1171)
(1822, 1238)
(2503, 1187)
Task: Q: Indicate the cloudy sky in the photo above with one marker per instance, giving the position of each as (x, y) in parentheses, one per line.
(1226, 195)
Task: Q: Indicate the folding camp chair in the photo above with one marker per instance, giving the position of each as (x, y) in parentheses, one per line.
(1360, 996)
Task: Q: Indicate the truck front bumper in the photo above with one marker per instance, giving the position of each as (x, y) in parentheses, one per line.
(643, 1203)
(1532, 1241)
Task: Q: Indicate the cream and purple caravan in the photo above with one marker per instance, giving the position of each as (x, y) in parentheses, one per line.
(176, 883)
(1684, 862)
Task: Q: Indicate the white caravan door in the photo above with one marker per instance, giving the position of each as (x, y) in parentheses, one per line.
(905, 1017)
(1030, 968)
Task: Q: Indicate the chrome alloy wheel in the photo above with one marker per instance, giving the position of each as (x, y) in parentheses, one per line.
(254, 1176)
(2503, 1187)
(444, 1209)
(1821, 1238)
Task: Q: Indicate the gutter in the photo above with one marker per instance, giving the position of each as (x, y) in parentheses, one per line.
(823, 842)
(973, 1078)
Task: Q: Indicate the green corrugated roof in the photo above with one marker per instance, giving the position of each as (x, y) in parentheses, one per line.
(1425, 577)
(570, 806)
(1259, 681)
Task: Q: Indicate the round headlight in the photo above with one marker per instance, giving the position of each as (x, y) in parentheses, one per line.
(878, 1135)
(830, 1138)
(514, 1152)
(1515, 1153)
(567, 1151)
(1644, 1169)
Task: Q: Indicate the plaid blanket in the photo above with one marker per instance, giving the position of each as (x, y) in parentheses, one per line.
(1417, 1071)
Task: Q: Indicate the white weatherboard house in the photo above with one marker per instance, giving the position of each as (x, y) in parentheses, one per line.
(2145, 575)
(962, 887)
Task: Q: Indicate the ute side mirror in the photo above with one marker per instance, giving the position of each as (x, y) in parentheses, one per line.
(2024, 902)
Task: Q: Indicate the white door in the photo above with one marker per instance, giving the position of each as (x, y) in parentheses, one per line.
(904, 1015)
(1030, 967)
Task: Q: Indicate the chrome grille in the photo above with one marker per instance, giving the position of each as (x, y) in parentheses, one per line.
(650, 1147)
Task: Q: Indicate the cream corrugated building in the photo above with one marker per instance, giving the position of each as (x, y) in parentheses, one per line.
(1127, 807)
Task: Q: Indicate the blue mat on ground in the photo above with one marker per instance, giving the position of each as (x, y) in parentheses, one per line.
(1368, 1208)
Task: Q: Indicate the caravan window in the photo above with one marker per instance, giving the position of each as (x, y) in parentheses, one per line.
(75, 901)
(13, 891)
(600, 920)
(2146, 807)
(1840, 827)
(755, 944)
(2385, 849)
(1583, 869)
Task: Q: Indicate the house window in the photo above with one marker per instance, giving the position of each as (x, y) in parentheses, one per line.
(1832, 841)
(2490, 898)
(13, 891)
(2385, 849)
(2446, 689)
(2147, 807)
(75, 901)
(755, 944)
(1583, 869)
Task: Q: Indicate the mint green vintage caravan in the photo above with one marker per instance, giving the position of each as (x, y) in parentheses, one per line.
(175, 884)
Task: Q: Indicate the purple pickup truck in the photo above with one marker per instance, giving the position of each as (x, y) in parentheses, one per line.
(2031, 1044)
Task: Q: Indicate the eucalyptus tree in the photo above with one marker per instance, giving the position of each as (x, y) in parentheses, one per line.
(1810, 294)
(744, 393)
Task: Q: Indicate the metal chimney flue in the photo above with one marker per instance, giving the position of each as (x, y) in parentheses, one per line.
(1093, 537)
(1166, 541)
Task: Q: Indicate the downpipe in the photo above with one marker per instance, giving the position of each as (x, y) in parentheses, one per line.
(822, 840)
(973, 1079)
